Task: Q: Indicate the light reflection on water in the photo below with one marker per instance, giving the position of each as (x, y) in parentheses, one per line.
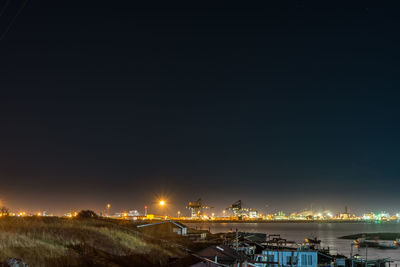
(328, 233)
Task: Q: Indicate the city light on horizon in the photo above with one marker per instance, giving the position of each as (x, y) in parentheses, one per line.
(244, 214)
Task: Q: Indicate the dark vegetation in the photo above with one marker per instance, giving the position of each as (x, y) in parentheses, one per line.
(4, 211)
(85, 214)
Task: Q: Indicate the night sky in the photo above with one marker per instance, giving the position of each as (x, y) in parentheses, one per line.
(119, 102)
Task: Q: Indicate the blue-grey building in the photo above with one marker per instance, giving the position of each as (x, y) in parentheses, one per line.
(288, 257)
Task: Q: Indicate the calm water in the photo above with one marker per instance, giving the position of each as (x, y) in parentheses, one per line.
(328, 233)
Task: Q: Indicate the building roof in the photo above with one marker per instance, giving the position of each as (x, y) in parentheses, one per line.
(197, 231)
(163, 222)
(255, 237)
(223, 253)
(195, 261)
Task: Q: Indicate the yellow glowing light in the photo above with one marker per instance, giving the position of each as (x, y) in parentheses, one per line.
(162, 202)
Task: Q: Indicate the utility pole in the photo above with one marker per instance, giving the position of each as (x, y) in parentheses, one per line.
(351, 254)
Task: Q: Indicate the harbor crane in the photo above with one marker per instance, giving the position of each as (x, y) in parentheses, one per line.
(239, 211)
(236, 208)
(196, 208)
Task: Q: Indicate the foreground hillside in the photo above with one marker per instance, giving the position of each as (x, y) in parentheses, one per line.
(41, 241)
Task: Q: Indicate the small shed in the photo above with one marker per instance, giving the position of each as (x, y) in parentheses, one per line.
(194, 234)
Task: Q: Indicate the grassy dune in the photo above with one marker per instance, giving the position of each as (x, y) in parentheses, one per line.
(71, 242)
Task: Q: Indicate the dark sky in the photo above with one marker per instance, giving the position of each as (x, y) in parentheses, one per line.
(120, 102)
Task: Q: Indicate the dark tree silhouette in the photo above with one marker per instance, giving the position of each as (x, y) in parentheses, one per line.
(4, 211)
(87, 214)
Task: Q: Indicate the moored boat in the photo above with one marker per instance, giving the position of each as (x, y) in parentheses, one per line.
(381, 244)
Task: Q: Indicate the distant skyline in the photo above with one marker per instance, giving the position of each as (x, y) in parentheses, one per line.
(286, 105)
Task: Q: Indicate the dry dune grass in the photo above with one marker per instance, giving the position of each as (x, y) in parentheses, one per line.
(41, 241)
